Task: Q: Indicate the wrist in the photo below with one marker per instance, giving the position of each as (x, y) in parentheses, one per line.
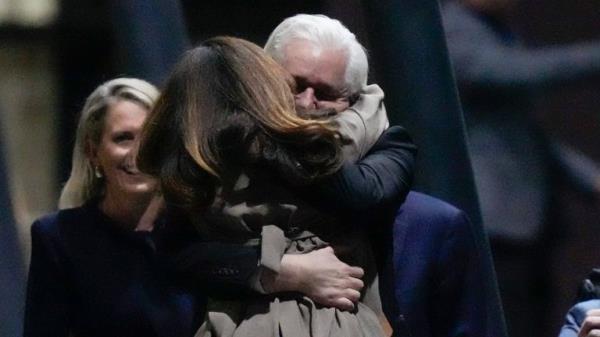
(288, 278)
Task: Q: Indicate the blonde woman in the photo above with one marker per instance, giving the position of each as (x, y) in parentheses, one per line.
(94, 271)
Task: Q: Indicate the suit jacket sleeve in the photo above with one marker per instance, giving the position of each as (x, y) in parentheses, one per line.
(572, 323)
(207, 265)
(575, 317)
(46, 311)
(381, 179)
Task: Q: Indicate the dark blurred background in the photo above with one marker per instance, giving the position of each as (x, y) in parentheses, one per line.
(571, 114)
(54, 53)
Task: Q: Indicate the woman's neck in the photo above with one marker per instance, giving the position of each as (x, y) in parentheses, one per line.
(125, 210)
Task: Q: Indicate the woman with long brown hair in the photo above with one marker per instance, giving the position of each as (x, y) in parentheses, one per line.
(235, 159)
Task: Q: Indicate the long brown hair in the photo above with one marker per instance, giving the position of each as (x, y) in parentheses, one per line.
(228, 106)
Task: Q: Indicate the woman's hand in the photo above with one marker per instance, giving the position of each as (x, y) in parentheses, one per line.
(321, 276)
(591, 324)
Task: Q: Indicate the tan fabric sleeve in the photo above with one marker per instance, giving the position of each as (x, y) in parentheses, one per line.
(256, 281)
(273, 246)
(362, 123)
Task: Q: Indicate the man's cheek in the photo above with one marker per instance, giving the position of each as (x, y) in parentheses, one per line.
(340, 106)
(316, 113)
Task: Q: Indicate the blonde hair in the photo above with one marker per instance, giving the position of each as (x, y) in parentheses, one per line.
(82, 184)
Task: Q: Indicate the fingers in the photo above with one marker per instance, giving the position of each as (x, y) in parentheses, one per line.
(342, 303)
(347, 300)
(352, 295)
(355, 283)
(349, 270)
(355, 272)
(591, 333)
(590, 324)
(329, 281)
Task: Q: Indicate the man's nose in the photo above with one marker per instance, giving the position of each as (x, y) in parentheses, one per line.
(306, 99)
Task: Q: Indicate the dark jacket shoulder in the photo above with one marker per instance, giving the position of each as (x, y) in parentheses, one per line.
(51, 223)
(420, 208)
(68, 228)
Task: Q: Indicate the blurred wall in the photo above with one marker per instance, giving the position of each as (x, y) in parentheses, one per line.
(29, 91)
(570, 114)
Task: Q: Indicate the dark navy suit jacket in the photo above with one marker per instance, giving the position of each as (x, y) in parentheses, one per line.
(437, 281)
(90, 277)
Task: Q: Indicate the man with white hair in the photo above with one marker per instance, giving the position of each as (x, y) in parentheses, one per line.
(330, 68)
(437, 287)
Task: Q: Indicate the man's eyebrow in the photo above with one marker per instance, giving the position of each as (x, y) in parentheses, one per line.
(301, 81)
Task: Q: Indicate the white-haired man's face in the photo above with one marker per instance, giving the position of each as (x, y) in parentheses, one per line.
(319, 74)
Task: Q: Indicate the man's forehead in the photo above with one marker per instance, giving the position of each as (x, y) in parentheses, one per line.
(310, 48)
(305, 60)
